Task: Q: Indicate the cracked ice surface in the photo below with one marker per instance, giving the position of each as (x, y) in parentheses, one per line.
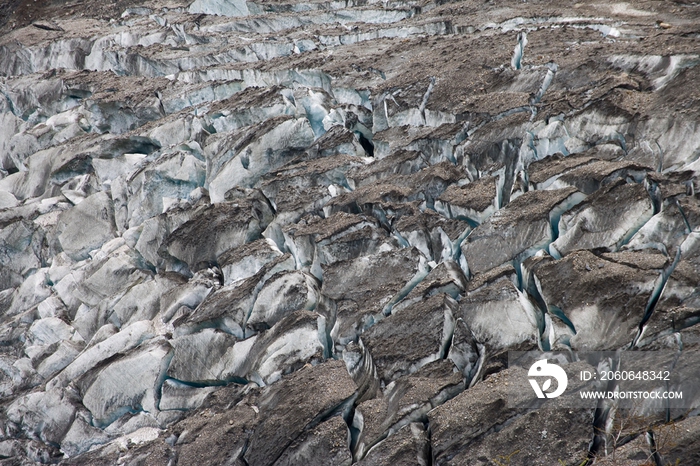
(311, 231)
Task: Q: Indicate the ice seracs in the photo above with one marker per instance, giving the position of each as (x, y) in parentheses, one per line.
(222, 217)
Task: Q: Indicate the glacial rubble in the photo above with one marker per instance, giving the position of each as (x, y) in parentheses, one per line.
(266, 233)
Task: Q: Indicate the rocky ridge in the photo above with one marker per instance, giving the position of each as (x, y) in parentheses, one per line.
(268, 233)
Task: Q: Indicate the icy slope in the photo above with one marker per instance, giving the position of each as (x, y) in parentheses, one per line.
(272, 233)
